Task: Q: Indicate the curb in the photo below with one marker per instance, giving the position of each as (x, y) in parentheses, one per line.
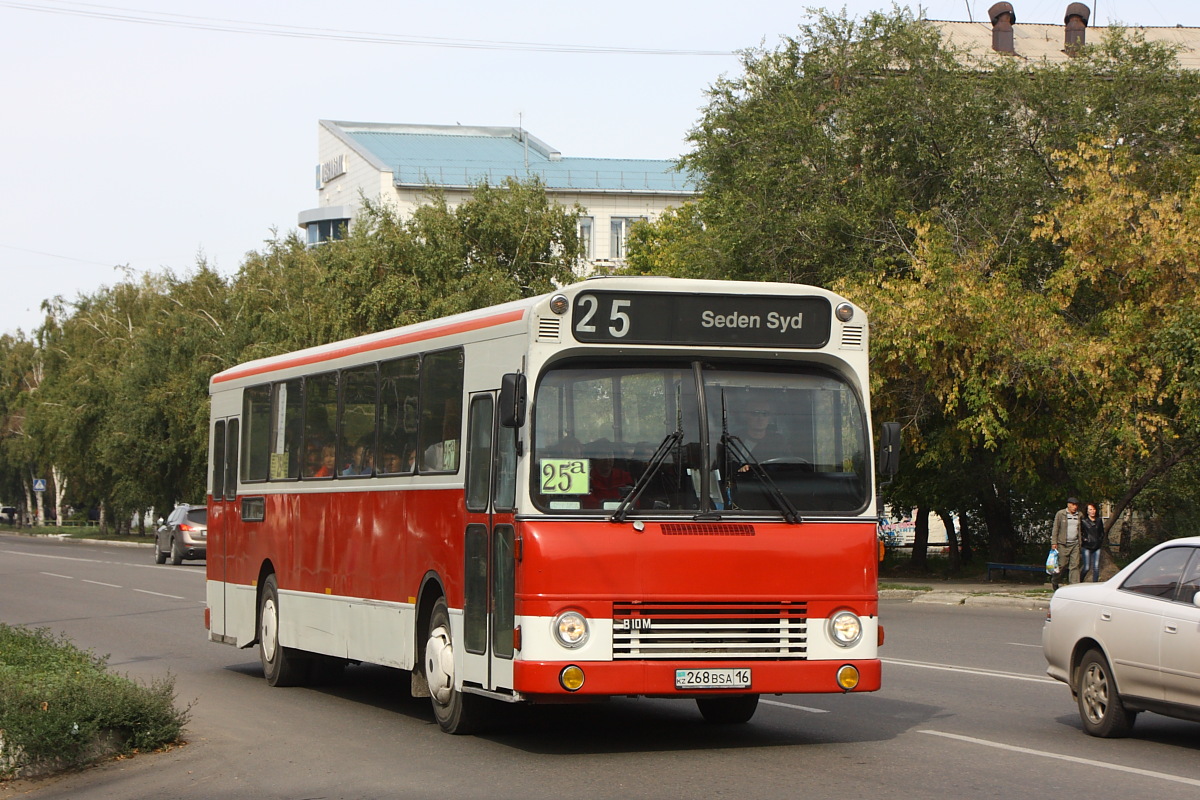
(945, 598)
(63, 537)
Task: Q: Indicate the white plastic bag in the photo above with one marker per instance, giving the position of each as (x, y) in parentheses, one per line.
(1052, 563)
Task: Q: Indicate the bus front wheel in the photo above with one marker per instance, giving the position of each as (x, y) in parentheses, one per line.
(455, 712)
(728, 710)
(282, 666)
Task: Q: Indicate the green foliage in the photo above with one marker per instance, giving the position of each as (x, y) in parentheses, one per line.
(674, 245)
(59, 706)
(929, 185)
(113, 391)
(502, 243)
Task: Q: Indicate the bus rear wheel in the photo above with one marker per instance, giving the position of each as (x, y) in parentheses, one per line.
(455, 711)
(728, 710)
(282, 666)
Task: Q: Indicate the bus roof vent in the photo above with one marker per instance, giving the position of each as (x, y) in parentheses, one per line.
(853, 337)
(549, 329)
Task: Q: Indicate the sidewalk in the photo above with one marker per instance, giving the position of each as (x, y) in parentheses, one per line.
(973, 593)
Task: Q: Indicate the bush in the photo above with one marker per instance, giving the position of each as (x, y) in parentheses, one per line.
(60, 707)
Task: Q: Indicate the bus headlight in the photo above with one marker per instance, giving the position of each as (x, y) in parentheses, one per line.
(571, 629)
(845, 628)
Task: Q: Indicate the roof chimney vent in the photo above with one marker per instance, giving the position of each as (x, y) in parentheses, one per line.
(1003, 17)
(1076, 20)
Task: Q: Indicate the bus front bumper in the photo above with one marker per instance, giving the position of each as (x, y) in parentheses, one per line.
(659, 678)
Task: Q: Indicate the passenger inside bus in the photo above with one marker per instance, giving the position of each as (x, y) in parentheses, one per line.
(443, 456)
(328, 462)
(607, 480)
(390, 463)
(758, 431)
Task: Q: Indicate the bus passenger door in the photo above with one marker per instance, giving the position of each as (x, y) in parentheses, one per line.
(488, 587)
(222, 519)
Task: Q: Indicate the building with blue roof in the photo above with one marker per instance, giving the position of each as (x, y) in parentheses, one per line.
(397, 164)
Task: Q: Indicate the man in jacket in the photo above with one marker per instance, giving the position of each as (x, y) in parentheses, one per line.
(1065, 539)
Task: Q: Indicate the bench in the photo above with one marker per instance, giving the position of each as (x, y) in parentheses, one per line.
(1003, 568)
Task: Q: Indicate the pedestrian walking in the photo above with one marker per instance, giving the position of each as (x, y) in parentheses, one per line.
(1065, 539)
(1093, 539)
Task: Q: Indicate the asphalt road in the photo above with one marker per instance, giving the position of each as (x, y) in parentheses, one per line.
(966, 711)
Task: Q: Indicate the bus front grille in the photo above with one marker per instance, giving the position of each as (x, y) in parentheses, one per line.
(698, 631)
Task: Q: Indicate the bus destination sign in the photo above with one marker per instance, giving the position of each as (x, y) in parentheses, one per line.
(701, 319)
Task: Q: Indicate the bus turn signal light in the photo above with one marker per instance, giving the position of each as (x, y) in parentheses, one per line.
(571, 678)
(847, 677)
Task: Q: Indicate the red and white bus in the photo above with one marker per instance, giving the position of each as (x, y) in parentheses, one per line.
(632, 486)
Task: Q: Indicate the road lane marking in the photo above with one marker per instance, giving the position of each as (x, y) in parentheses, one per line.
(797, 708)
(1023, 644)
(116, 586)
(199, 572)
(160, 594)
(1074, 759)
(69, 558)
(989, 673)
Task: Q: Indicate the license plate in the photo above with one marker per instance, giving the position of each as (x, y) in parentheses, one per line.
(712, 678)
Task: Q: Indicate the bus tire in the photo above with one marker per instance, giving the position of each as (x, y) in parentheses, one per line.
(282, 666)
(455, 712)
(176, 552)
(728, 710)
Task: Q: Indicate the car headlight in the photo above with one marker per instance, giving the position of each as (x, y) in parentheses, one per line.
(571, 629)
(845, 628)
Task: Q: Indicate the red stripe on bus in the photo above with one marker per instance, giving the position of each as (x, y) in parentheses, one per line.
(366, 347)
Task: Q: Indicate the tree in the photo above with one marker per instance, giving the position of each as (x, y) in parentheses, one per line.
(1131, 276)
(112, 395)
(982, 376)
(870, 155)
(502, 243)
(20, 376)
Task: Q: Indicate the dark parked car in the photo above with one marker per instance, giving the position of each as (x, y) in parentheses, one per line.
(1132, 643)
(183, 535)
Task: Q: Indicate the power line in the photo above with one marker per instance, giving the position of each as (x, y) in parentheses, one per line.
(57, 255)
(246, 27)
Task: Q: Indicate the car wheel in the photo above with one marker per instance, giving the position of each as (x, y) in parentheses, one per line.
(1100, 705)
(728, 710)
(159, 556)
(282, 666)
(176, 552)
(456, 712)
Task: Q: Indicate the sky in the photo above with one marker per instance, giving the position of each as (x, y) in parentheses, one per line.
(145, 136)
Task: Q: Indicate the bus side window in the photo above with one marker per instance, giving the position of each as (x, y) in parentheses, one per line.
(356, 422)
(320, 415)
(440, 430)
(218, 460)
(397, 416)
(256, 431)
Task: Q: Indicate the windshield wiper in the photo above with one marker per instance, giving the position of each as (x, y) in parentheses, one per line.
(731, 444)
(670, 442)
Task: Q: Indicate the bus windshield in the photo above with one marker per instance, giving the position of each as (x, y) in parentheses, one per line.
(699, 437)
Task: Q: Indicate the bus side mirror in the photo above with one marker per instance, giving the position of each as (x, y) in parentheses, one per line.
(889, 449)
(512, 400)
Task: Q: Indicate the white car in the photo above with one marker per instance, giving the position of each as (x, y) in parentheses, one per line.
(1131, 643)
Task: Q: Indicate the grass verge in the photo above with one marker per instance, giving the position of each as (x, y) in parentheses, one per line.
(60, 707)
(80, 533)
